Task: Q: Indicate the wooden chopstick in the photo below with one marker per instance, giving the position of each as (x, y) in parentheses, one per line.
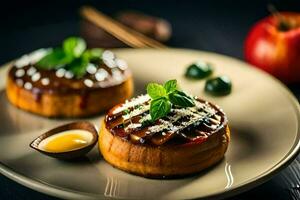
(118, 30)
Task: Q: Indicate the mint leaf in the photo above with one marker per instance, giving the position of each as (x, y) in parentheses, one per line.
(74, 46)
(159, 108)
(181, 99)
(146, 123)
(94, 54)
(163, 97)
(54, 59)
(78, 67)
(156, 91)
(73, 56)
(170, 86)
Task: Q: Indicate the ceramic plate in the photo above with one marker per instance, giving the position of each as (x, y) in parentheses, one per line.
(263, 116)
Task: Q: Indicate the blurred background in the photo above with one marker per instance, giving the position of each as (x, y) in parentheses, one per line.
(209, 25)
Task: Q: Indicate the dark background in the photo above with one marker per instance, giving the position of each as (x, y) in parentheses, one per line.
(218, 26)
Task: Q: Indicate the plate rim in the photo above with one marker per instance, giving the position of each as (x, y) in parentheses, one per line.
(293, 152)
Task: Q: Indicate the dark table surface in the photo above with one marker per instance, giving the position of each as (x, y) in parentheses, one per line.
(217, 26)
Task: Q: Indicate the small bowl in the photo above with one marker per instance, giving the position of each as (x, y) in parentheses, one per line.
(87, 126)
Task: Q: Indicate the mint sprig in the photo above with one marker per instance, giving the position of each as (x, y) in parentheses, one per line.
(156, 91)
(74, 46)
(171, 86)
(55, 58)
(181, 99)
(163, 97)
(72, 56)
(159, 108)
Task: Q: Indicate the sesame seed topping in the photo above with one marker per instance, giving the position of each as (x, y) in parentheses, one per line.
(121, 64)
(108, 55)
(35, 77)
(60, 72)
(20, 73)
(23, 61)
(110, 63)
(31, 71)
(133, 102)
(88, 82)
(36, 55)
(20, 82)
(28, 86)
(117, 75)
(69, 75)
(45, 81)
(91, 68)
(133, 126)
(101, 74)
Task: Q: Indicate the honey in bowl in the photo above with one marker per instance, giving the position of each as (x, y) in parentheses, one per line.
(66, 141)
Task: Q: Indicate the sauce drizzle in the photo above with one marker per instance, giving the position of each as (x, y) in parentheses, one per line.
(131, 121)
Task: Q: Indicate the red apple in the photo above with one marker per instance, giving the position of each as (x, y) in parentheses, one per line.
(273, 44)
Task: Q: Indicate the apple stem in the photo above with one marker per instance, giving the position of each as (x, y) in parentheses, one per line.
(283, 24)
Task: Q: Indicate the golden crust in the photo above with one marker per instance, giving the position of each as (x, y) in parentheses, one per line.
(162, 161)
(68, 105)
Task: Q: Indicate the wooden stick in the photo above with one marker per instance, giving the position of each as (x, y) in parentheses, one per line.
(118, 30)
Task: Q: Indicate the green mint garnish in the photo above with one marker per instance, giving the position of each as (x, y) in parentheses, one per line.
(146, 123)
(159, 108)
(74, 46)
(93, 54)
(72, 56)
(54, 59)
(170, 86)
(155, 90)
(164, 96)
(78, 66)
(181, 99)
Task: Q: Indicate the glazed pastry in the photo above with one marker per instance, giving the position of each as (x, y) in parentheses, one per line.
(185, 141)
(59, 92)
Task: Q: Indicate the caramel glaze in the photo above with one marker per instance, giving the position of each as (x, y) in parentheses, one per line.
(62, 85)
(195, 133)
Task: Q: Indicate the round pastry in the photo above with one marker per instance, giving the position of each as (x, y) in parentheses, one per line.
(81, 87)
(185, 141)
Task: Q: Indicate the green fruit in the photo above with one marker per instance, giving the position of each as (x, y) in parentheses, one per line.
(218, 86)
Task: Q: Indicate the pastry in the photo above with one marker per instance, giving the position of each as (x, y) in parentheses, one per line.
(77, 88)
(185, 141)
